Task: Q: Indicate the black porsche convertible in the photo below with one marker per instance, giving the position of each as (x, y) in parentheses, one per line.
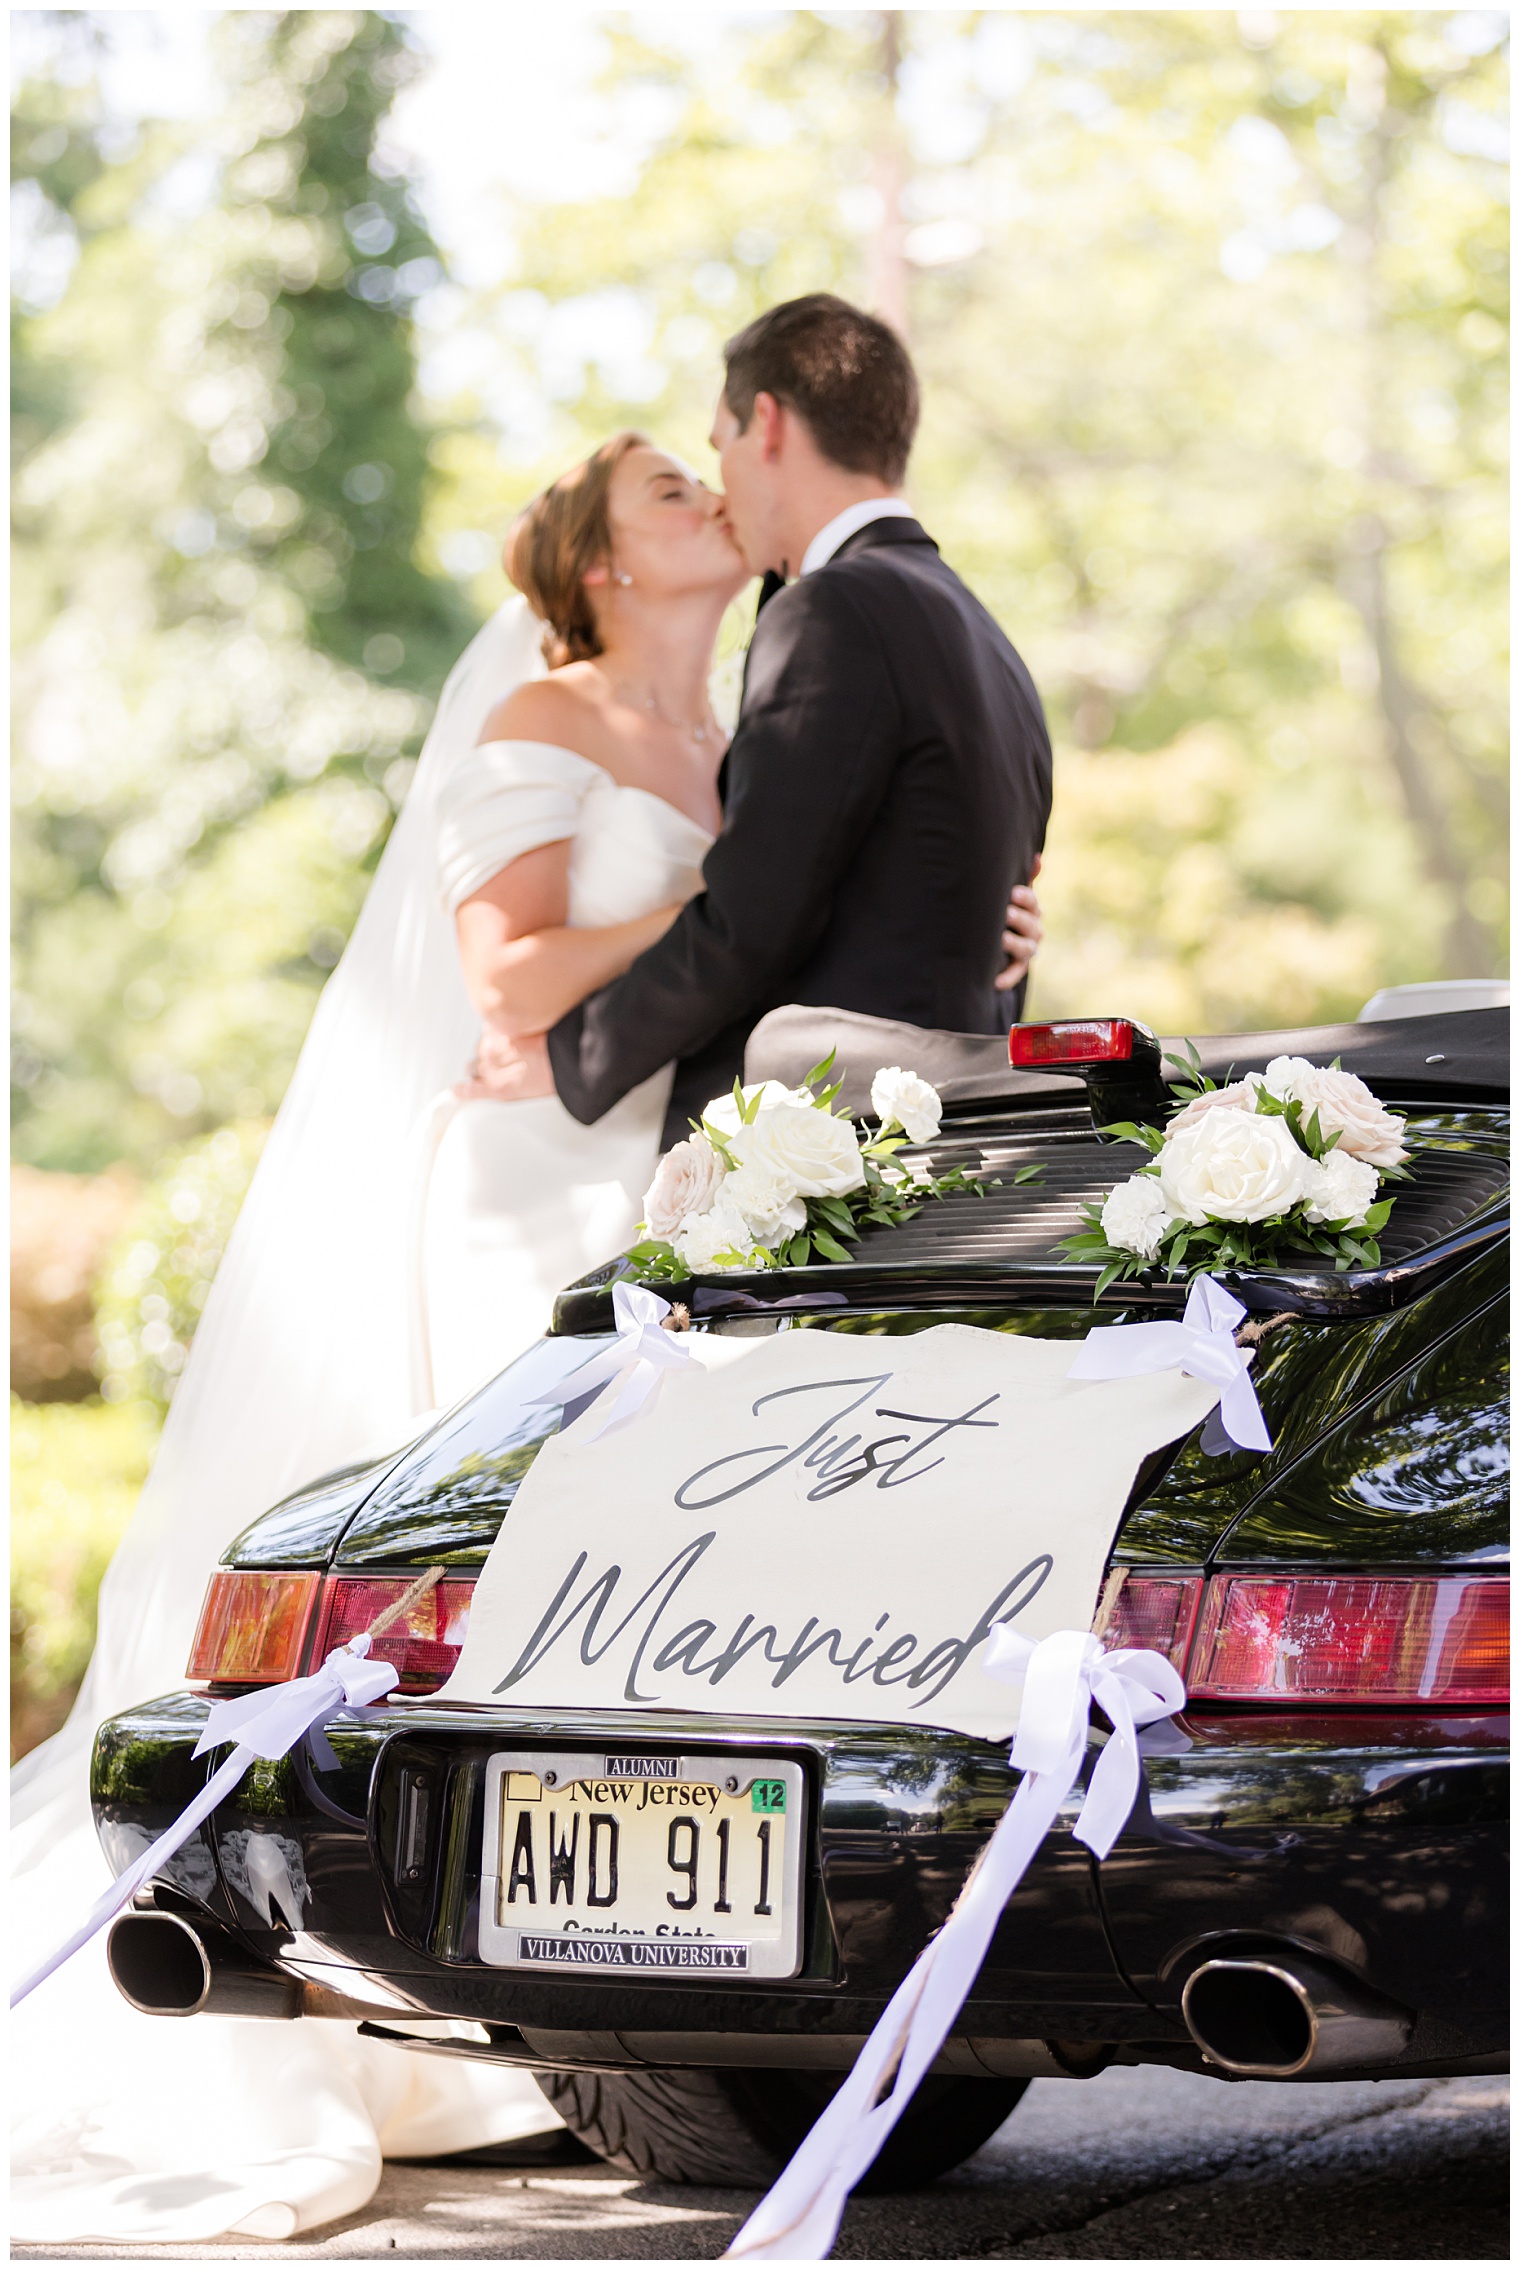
(1310, 1886)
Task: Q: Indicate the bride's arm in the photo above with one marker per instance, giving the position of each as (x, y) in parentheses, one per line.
(524, 967)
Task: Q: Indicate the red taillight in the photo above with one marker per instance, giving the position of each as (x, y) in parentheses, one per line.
(1079, 1040)
(252, 1626)
(424, 1645)
(1156, 1612)
(1365, 1639)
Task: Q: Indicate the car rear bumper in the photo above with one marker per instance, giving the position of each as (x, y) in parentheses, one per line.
(1375, 1843)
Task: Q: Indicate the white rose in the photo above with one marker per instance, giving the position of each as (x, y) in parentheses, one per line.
(685, 1183)
(1341, 1188)
(1241, 1096)
(1233, 1166)
(902, 1099)
(723, 1111)
(1134, 1215)
(816, 1155)
(721, 1229)
(1346, 1105)
(768, 1202)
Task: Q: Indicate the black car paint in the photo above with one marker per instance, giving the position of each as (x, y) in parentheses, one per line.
(1369, 1837)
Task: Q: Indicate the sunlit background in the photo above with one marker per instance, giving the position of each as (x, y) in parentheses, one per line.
(1211, 314)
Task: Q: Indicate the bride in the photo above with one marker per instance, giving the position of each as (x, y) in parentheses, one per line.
(567, 842)
(394, 1251)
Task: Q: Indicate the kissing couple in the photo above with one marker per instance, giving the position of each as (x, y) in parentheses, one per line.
(631, 894)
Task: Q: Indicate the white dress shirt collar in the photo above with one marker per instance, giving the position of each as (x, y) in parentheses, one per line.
(844, 524)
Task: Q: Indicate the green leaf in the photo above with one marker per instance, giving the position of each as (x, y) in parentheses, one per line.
(811, 1079)
(1029, 1174)
(828, 1246)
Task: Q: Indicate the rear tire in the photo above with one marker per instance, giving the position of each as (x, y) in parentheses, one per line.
(740, 2128)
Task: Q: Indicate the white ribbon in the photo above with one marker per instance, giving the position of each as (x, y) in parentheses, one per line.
(1202, 1345)
(262, 1725)
(1062, 1677)
(637, 1360)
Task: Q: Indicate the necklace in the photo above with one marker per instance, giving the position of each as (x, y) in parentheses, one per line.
(709, 727)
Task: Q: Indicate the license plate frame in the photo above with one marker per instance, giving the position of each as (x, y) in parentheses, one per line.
(637, 1956)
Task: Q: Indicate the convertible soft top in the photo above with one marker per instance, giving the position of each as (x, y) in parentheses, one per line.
(1461, 1053)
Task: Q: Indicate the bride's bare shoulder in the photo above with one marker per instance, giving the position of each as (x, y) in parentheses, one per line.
(565, 708)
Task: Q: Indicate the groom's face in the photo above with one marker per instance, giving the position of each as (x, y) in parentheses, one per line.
(749, 481)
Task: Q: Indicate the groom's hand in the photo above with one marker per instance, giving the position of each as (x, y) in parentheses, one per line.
(508, 1071)
(1022, 936)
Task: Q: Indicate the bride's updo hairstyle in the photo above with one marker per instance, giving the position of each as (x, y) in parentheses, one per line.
(555, 539)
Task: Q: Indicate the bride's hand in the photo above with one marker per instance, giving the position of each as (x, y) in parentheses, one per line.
(1022, 936)
(508, 1071)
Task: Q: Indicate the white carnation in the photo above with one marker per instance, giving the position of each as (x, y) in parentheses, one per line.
(723, 1111)
(1346, 1105)
(816, 1155)
(1341, 1188)
(1233, 1166)
(720, 1230)
(903, 1100)
(685, 1183)
(1134, 1215)
(768, 1202)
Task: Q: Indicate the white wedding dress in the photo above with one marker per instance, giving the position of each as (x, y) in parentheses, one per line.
(519, 1198)
(141, 2130)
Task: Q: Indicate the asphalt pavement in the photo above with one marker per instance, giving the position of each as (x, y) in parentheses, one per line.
(1132, 2166)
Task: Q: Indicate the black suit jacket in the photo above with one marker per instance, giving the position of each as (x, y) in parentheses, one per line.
(888, 783)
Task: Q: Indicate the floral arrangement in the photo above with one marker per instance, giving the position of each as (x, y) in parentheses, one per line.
(1287, 1161)
(771, 1176)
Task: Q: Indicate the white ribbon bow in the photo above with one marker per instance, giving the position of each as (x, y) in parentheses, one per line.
(638, 1359)
(1202, 1345)
(1062, 1677)
(262, 1725)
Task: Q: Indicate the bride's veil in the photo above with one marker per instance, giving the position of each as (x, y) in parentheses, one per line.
(301, 1361)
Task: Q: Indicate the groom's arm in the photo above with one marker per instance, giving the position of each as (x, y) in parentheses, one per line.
(809, 765)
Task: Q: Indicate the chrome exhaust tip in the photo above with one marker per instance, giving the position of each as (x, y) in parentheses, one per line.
(1283, 2018)
(170, 1968)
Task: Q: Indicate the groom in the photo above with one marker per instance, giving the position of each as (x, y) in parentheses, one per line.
(889, 780)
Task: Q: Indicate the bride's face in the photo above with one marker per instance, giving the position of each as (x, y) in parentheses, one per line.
(669, 532)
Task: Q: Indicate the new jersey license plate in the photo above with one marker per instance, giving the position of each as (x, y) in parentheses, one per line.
(643, 1864)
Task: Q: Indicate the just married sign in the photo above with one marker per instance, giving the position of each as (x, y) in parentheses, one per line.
(815, 1525)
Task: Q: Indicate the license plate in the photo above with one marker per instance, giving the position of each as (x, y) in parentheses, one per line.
(642, 1864)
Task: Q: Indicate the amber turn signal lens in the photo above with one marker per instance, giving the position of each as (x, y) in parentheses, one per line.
(253, 1626)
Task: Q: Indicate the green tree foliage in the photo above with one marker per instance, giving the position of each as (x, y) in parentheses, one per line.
(225, 647)
(1212, 323)
(76, 1470)
(338, 253)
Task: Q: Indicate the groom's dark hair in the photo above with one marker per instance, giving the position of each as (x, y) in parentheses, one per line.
(846, 374)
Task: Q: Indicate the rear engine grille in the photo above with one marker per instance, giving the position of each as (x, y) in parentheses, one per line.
(1023, 1223)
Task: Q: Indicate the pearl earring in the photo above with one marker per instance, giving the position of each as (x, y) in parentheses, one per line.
(625, 579)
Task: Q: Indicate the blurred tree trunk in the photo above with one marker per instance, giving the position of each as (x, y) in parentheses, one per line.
(886, 260)
(1363, 576)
